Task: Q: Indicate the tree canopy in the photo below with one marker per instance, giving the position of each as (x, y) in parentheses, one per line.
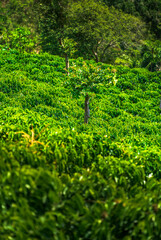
(148, 10)
(95, 28)
(103, 30)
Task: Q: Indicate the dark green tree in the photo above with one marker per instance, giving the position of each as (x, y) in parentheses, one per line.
(148, 10)
(98, 29)
(52, 23)
(151, 55)
(54, 35)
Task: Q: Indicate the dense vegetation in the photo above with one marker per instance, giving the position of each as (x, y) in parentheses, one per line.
(115, 32)
(148, 10)
(60, 178)
(63, 179)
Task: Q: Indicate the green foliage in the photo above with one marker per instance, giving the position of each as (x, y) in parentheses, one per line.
(97, 32)
(98, 29)
(148, 10)
(68, 46)
(62, 179)
(19, 39)
(152, 55)
(106, 31)
(52, 27)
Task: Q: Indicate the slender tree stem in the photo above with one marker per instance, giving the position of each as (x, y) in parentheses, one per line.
(87, 111)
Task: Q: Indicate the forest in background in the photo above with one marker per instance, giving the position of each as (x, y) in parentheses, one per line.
(118, 32)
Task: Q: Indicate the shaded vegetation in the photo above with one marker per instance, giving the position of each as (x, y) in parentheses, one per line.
(114, 32)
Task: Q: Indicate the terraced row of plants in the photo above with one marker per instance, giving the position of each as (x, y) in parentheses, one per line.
(63, 179)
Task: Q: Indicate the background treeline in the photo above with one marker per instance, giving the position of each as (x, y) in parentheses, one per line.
(119, 32)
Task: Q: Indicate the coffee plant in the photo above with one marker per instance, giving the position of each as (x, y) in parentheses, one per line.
(62, 179)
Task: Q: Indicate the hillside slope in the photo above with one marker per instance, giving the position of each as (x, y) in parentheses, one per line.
(63, 179)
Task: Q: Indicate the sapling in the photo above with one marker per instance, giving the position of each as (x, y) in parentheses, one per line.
(68, 49)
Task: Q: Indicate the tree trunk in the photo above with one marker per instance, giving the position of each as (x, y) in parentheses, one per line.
(96, 56)
(105, 49)
(67, 64)
(87, 111)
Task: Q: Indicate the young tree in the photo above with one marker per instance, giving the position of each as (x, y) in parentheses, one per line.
(68, 49)
(86, 78)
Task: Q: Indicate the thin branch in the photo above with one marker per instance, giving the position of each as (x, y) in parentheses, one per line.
(105, 49)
